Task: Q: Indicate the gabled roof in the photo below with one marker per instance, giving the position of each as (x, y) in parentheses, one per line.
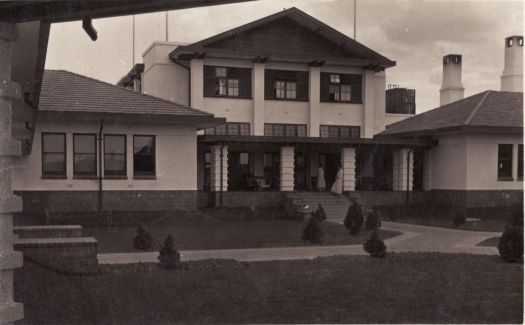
(64, 91)
(484, 111)
(257, 41)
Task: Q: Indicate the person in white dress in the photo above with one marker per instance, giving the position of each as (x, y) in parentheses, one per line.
(337, 186)
(321, 184)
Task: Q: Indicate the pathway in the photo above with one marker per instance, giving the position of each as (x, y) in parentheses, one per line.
(414, 238)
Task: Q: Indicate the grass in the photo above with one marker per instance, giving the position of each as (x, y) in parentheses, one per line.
(212, 233)
(492, 224)
(402, 288)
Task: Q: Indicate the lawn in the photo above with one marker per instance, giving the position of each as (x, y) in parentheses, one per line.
(402, 288)
(213, 233)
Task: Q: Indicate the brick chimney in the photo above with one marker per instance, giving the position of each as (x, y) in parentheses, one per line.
(512, 76)
(451, 88)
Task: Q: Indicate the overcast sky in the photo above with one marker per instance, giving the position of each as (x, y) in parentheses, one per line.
(416, 34)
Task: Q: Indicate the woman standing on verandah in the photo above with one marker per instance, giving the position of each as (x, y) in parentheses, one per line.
(337, 186)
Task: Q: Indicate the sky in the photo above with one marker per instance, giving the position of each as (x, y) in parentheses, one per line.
(414, 33)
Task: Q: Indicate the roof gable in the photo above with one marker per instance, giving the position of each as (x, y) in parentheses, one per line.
(290, 33)
(493, 109)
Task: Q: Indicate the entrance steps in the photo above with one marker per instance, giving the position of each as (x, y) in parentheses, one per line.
(307, 202)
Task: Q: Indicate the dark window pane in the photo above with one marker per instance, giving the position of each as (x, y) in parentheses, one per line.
(268, 131)
(323, 131)
(244, 158)
(301, 130)
(54, 142)
(290, 130)
(233, 129)
(356, 132)
(345, 132)
(520, 161)
(220, 129)
(115, 155)
(245, 129)
(278, 130)
(505, 161)
(53, 163)
(84, 143)
(144, 155)
(85, 164)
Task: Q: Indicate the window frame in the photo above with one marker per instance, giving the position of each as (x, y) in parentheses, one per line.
(238, 125)
(153, 175)
(75, 172)
(520, 162)
(283, 126)
(47, 175)
(508, 177)
(329, 83)
(287, 83)
(227, 78)
(125, 175)
(339, 128)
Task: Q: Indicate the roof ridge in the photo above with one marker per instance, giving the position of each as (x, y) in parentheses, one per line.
(129, 90)
(475, 110)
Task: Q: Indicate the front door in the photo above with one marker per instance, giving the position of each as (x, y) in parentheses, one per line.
(272, 169)
(300, 171)
(240, 171)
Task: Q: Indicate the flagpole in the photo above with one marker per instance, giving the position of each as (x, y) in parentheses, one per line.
(355, 17)
(166, 26)
(133, 40)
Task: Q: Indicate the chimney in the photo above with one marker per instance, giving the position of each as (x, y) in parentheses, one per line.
(512, 76)
(451, 88)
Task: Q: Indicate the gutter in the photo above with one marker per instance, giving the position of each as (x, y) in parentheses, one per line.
(100, 178)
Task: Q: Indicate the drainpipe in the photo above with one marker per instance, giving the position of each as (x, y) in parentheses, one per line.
(222, 176)
(100, 208)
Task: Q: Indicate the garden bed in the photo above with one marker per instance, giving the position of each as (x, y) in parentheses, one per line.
(211, 233)
(402, 288)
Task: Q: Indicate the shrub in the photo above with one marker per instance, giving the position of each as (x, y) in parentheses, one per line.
(511, 244)
(375, 246)
(354, 219)
(459, 219)
(516, 219)
(143, 240)
(320, 214)
(312, 232)
(169, 257)
(373, 221)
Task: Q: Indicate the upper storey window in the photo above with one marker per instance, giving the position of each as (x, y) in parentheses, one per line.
(227, 82)
(338, 87)
(286, 85)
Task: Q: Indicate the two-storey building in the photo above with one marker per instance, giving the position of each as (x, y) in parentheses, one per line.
(296, 94)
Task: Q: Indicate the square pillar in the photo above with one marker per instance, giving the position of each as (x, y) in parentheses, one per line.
(258, 99)
(348, 158)
(10, 152)
(400, 173)
(314, 105)
(367, 125)
(215, 169)
(197, 83)
(287, 169)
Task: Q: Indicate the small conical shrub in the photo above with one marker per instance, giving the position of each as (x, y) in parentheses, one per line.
(373, 221)
(320, 213)
(313, 232)
(511, 245)
(354, 219)
(375, 246)
(169, 257)
(143, 239)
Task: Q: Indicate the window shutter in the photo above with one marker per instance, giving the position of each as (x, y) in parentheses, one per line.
(302, 85)
(245, 82)
(269, 92)
(210, 82)
(357, 89)
(325, 87)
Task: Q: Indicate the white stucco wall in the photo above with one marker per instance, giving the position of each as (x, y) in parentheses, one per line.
(234, 110)
(281, 111)
(469, 161)
(176, 158)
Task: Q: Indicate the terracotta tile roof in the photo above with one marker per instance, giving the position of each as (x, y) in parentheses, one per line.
(252, 40)
(487, 109)
(70, 92)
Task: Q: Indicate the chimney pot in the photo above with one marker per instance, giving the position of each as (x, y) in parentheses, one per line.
(451, 87)
(512, 76)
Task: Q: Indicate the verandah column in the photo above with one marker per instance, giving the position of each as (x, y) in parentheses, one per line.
(10, 149)
(348, 157)
(215, 168)
(401, 172)
(287, 169)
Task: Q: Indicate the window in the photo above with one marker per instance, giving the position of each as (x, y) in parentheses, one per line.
(230, 128)
(115, 156)
(289, 130)
(505, 161)
(227, 82)
(338, 87)
(286, 85)
(520, 161)
(54, 155)
(85, 155)
(339, 131)
(144, 155)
